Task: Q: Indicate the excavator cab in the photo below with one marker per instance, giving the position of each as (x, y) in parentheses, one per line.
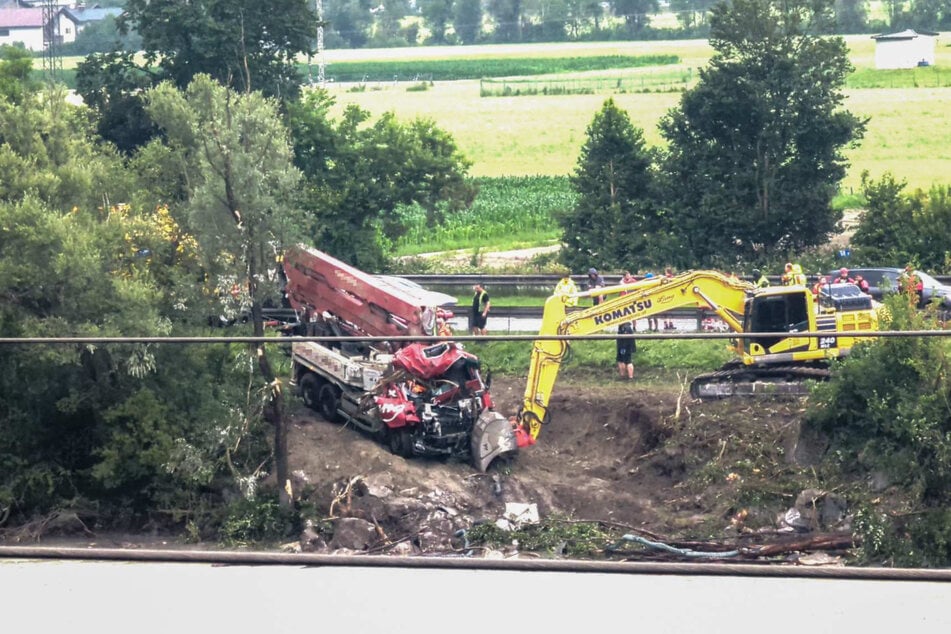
(775, 312)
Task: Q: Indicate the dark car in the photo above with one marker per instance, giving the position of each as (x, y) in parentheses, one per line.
(885, 280)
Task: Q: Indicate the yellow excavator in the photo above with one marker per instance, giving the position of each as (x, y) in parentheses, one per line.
(763, 365)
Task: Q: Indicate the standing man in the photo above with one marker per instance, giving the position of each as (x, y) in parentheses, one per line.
(760, 280)
(480, 310)
(625, 350)
(595, 281)
(566, 288)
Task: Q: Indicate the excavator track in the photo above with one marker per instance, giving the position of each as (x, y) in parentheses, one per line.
(741, 380)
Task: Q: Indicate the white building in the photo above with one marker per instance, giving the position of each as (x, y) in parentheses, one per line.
(905, 49)
(72, 21)
(24, 26)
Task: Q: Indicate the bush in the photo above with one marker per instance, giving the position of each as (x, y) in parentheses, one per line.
(259, 519)
(887, 410)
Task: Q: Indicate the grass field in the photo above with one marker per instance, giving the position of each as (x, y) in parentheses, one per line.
(909, 129)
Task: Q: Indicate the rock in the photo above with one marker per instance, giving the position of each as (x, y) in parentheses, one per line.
(311, 541)
(816, 510)
(353, 534)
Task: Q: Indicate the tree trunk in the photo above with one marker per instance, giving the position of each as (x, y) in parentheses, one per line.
(274, 405)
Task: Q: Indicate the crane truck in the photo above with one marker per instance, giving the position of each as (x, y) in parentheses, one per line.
(764, 364)
(422, 398)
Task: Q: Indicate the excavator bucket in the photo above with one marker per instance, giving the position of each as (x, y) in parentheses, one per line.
(492, 437)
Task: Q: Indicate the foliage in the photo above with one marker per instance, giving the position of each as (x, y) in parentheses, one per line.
(505, 210)
(243, 44)
(16, 81)
(102, 37)
(478, 68)
(887, 409)
(615, 223)
(356, 175)
(755, 149)
(553, 536)
(240, 206)
(113, 424)
(898, 228)
(256, 520)
(112, 85)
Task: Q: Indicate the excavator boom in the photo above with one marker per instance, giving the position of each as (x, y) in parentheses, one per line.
(742, 306)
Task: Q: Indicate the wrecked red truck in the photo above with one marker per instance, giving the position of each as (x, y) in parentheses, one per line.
(421, 398)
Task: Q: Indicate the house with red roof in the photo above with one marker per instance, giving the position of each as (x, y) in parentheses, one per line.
(22, 26)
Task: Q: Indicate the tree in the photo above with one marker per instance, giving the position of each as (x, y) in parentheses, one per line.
(438, 15)
(507, 15)
(615, 223)
(112, 85)
(755, 148)
(357, 174)
(467, 20)
(240, 204)
(16, 65)
(897, 228)
(851, 16)
(635, 13)
(245, 44)
(349, 23)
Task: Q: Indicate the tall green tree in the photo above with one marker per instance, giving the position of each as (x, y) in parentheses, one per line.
(348, 22)
(112, 85)
(615, 223)
(635, 13)
(467, 20)
(357, 172)
(898, 227)
(755, 148)
(851, 16)
(507, 17)
(245, 44)
(240, 204)
(438, 17)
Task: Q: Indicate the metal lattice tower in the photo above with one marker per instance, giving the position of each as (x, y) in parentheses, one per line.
(321, 66)
(52, 58)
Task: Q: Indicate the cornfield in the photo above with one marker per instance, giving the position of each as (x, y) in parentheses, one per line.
(507, 210)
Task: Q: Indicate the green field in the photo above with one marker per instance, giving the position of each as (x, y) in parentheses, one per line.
(909, 129)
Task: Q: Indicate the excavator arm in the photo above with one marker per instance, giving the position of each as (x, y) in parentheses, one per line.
(709, 290)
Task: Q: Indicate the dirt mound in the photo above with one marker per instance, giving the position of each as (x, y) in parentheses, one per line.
(619, 452)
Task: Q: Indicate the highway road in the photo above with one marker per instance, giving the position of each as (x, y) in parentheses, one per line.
(62, 595)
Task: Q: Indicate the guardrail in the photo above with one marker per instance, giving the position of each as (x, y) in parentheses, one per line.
(548, 281)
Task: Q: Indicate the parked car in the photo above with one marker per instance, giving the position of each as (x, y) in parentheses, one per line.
(885, 280)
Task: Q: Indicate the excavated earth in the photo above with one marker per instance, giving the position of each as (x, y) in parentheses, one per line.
(636, 454)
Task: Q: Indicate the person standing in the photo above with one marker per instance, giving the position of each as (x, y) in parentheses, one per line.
(480, 310)
(566, 288)
(759, 279)
(625, 351)
(595, 281)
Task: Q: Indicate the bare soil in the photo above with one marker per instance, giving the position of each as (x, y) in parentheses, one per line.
(632, 453)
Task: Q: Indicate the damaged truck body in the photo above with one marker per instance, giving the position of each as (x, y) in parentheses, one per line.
(421, 398)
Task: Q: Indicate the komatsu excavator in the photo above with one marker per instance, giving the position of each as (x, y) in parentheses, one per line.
(776, 362)
(423, 399)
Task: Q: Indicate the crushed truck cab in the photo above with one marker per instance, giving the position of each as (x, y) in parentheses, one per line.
(422, 399)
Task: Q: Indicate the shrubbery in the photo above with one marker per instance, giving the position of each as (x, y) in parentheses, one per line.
(887, 414)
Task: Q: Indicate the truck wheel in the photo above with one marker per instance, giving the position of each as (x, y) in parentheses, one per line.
(309, 390)
(328, 401)
(401, 442)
